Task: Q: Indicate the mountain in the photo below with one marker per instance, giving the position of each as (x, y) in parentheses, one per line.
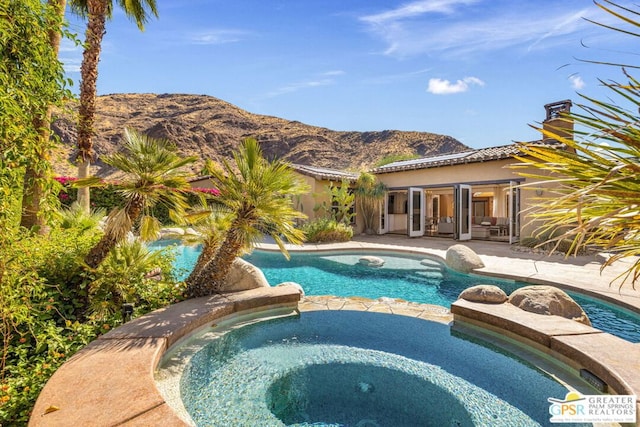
(208, 127)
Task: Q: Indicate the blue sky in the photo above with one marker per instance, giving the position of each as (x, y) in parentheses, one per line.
(477, 70)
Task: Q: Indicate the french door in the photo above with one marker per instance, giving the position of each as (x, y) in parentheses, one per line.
(514, 212)
(383, 224)
(415, 214)
(462, 209)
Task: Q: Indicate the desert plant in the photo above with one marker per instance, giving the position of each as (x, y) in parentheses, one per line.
(325, 230)
(342, 201)
(97, 12)
(153, 174)
(257, 194)
(75, 217)
(369, 193)
(134, 274)
(595, 172)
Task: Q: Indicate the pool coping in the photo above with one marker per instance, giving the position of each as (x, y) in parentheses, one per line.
(111, 381)
(613, 360)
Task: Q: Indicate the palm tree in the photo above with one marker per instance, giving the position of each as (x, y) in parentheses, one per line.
(597, 180)
(153, 175)
(369, 192)
(32, 216)
(97, 12)
(257, 194)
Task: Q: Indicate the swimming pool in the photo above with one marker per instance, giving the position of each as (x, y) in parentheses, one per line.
(350, 368)
(404, 276)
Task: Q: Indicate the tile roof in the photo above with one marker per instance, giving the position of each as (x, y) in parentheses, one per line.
(471, 156)
(324, 173)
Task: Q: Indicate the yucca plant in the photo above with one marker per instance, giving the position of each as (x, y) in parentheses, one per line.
(594, 199)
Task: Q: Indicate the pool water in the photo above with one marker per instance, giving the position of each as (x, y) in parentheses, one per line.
(404, 276)
(350, 368)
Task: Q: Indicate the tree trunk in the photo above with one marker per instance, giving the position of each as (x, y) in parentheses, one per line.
(97, 12)
(208, 253)
(211, 277)
(33, 189)
(32, 195)
(99, 252)
(109, 240)
(84, 196)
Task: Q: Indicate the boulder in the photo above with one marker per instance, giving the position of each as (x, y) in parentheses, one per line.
(371, 261)
(172, 231)
(462, 258)
(484, 293)
(191, 232)
(294, 284)
(244, 276)
(548, 300)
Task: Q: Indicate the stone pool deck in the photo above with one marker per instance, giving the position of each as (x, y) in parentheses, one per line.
(111, 381)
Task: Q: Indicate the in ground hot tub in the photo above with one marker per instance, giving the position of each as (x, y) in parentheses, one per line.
(353, 368)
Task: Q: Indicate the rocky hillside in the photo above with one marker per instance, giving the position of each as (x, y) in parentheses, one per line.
(211, 128)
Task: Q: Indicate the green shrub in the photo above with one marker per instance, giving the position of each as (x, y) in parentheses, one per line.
(75, 217)
(38, 277)
(132, 273)
(102, 198)
(324, 230)
(43, 306)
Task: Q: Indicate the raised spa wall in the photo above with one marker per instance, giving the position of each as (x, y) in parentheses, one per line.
(111, 381)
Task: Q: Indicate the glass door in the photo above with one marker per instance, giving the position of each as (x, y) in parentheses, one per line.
(514, 212)
(463, 211)
(383, 226)
(415, 214)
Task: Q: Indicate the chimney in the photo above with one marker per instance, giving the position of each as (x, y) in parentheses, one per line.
(557, 120)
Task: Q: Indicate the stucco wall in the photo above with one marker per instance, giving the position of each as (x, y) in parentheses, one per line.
(483, 177)
(464, 173)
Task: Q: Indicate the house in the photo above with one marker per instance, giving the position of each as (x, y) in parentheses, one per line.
(318, 180)
(469, 195)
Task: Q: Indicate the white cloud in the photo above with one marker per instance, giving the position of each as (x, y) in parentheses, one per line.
(576, 82)
(70, 55)
(71, 65)
(390, 78)
(216, 37)
(566, 24)
(321, 79)
(411, 29)
(445, 87)
(334, 73)
(414, 9)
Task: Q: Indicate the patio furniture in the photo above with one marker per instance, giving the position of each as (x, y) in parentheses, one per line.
(445, 226)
